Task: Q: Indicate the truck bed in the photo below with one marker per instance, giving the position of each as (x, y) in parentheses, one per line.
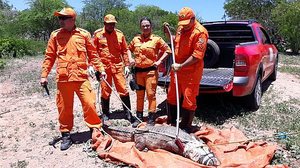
(213, 78)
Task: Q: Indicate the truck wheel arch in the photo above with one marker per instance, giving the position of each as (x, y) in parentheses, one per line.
(253, 100)
(273, 75)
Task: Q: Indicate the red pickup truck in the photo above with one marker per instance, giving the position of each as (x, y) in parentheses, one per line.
(239, 57)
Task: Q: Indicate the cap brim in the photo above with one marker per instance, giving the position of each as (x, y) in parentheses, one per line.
(60, 14)
(184, 22)
(111, 22)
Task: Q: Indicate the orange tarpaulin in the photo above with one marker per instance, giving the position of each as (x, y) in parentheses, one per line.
(246, 155)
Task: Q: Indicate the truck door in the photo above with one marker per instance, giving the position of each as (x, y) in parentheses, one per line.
(267, 51)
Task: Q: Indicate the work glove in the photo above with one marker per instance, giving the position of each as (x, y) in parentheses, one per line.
(176, 67)
(166, 25)
(126, 71)
(91, 71)
(100, 75)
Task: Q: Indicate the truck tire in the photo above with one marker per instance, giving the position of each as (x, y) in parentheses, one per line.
(212, 54)
(254, 99)
(273, 75)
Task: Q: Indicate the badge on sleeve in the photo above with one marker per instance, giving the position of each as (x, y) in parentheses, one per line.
(201, 40)
(201, 44)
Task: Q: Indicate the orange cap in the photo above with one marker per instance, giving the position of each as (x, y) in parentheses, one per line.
(109, 18)
(185, 15)
(65, 12)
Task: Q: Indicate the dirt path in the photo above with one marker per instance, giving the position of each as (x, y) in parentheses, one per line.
(28, 119)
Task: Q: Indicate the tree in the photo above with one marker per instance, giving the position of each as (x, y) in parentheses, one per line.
(129, 21)
(287, 16)
(258, 10)
(94, 10)
(4, 5)
(7, 19)
(38, 21)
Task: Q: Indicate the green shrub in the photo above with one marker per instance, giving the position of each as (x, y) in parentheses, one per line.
(2, 63)
(11, 47)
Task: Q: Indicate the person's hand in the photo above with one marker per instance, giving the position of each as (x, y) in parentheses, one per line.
(166, 27)
(166, 24)
(103, 75)
(44, 81)
(131, 62)
(176, 67)
(100, 75)
(91, 71)
(126, 71)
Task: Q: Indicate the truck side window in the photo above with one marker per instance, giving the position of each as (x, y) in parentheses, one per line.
(264, 36)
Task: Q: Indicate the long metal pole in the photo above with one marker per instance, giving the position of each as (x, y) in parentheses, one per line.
(116, 94)
(176, 82)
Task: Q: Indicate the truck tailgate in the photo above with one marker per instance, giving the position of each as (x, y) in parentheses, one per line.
(212, 79)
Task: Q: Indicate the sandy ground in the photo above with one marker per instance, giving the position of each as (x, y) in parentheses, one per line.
(28, 119)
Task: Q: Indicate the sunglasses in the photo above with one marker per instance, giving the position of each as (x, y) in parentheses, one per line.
(64, 17)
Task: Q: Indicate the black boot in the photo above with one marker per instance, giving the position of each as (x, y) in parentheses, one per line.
(105, 109)
(151, 118)
(126, 101)
(172, 111)
(136, 122)
(187, 119)
(66, 141)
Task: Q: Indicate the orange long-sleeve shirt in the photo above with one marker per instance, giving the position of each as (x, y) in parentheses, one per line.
(191, 43)
(147, 50)
(112, 48)
(73, 51)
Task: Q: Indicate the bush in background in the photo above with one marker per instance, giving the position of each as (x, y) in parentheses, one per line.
(11, 47)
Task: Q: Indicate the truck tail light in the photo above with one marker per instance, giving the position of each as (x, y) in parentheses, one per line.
(241, 63)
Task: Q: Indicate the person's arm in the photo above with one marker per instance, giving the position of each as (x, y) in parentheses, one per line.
(163, 46)
(92, 54)
(131, 60)
(94, 59)
(198, 53)
(50, 57)
(190, 61)
(129, 52)
(124, 51)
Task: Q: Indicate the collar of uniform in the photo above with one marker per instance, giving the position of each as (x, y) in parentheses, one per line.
(75, 29)
(144, 39)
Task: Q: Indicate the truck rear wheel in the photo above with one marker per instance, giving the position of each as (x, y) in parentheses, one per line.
(254, 99)
(212, 54)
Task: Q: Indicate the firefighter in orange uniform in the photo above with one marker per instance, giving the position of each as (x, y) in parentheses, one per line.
(113, 51)
(190, 45)
(71, 47)
(147, 47)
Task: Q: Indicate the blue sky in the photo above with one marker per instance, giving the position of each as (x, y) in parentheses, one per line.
(208, 10)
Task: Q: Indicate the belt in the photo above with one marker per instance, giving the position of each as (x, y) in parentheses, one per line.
(137, 69)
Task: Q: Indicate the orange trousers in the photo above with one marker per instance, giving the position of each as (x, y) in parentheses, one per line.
(119, 81)
(188, 91)
(148, 81)
(65, 101)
